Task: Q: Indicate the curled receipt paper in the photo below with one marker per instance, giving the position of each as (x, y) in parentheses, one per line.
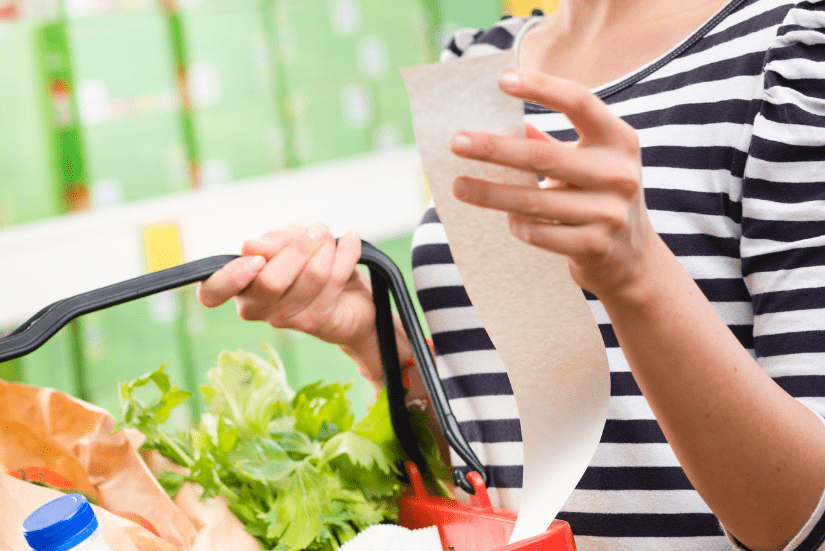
(535, 315)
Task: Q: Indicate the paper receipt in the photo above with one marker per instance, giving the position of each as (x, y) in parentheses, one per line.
(535, 315)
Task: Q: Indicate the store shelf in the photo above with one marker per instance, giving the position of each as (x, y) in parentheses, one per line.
(380, 195)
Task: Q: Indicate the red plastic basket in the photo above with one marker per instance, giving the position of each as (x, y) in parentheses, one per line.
(474, 526)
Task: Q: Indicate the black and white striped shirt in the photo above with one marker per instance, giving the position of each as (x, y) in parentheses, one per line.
(732, 127)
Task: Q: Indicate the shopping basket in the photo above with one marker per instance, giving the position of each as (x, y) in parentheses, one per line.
(473, 526)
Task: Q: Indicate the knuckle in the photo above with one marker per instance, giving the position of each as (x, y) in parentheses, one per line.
(204, 296)
(340, 278)
(315, 275)
(624, 177)
(484, 146)
(270, 286)
(542, 158)
(529, 204)
(595, 243)
(238, 281)
(306, 322)
(582, 100)
(246, 312)
(614, 214)
(630, 137)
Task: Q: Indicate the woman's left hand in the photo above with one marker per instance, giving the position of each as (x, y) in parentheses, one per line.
(592, 207)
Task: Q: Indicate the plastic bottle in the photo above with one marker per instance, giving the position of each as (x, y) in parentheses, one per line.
(67, 523)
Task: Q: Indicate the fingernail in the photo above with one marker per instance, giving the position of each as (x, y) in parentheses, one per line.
(460, 188)
(317, 230)
(509, 79)
(256, 263)
(461, 142)
(352, 234)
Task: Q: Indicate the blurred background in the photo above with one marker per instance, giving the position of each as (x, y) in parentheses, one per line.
(139, 134)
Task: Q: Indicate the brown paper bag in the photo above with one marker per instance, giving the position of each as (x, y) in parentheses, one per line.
(41, 427)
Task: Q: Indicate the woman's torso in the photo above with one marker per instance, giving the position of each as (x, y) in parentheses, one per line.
(693, 108)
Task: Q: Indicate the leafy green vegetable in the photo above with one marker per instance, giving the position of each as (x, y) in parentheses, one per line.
(296, 469)
(247, 391)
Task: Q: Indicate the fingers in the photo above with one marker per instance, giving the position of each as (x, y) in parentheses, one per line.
(577, 242)
(303, 238)
(348, 255)
(308, 283)
(592, 168)
(588, 114)
(229, 280)
(551, 206)
(296, 243)
(282, 269)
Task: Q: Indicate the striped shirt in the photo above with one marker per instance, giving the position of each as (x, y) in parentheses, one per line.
(732, 127)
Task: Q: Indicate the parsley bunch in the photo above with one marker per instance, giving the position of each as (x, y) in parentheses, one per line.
(295, 468)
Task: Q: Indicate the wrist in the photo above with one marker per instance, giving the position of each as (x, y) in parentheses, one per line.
(651, 276)
(367, 355)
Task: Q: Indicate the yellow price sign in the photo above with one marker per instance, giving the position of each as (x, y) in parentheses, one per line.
(162, 246)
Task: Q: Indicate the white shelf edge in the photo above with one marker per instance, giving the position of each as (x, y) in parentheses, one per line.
(380, 195)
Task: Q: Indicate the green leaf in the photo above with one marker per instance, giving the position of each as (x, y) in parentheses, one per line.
(297, 519)
(248, 391)
(377, 426)
(298, 443)
(264, 460)
(149, 418)
(171, 482)
(227, 436)
(360, 450)
(314, 405)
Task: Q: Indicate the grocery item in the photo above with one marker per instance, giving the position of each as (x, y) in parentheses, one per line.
(67, 523)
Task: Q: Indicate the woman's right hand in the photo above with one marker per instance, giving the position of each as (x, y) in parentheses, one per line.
(298, 278)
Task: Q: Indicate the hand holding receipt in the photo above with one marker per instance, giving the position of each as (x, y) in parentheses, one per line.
(539, 321)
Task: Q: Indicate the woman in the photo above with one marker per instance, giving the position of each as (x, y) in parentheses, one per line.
(708, 284)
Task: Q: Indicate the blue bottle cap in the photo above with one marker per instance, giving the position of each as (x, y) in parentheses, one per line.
(60, 524)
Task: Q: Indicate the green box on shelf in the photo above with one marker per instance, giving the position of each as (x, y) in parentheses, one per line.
(185, 7)
(27, 181)
(238, 141)
(40, 153)
(395, 35)
(135, 158)
(124, 65)
(331, 120)
(11, 370)
(394, 117)
(52, 365)
(129, 105)
(227, 55)
(81, 9)
(316, 40)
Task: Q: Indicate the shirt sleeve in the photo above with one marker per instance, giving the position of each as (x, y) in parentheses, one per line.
(783, 222)
(474, 42)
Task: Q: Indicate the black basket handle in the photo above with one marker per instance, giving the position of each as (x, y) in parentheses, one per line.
(385, 277)
(383, 273)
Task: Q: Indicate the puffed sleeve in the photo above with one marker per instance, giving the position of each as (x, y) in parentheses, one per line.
(783, 222)
(475, 42)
